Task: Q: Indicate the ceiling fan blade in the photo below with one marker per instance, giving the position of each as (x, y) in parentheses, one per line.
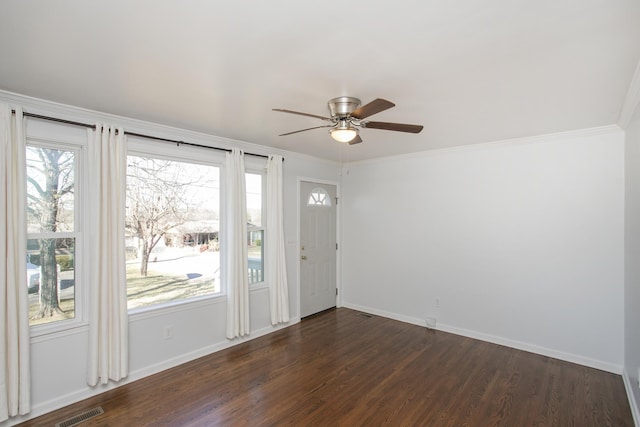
(356, 140)
(374, 107)
(301, 114)
(304, 130)
(398, 127)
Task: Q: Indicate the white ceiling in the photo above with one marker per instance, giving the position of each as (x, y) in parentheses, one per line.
(470, 71)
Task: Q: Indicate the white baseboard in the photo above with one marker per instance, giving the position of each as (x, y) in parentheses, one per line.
(85, 393)
(532, 348)
(568, 357)
(387, 314)
(628, 386)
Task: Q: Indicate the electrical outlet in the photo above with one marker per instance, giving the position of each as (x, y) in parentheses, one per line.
(168, 332)
(437, 302)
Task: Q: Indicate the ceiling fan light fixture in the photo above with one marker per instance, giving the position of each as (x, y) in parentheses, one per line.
(343, 133)
(347, 117)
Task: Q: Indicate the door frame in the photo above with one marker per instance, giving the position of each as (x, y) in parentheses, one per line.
(298, 252)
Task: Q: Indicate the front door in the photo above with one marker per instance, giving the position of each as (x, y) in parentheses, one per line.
(317, 247)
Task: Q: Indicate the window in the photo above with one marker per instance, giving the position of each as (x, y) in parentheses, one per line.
(53, 234)
(172, 230)
(319, 197)
(255, 227)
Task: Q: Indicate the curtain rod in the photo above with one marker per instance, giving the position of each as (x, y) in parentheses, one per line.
(86, 125)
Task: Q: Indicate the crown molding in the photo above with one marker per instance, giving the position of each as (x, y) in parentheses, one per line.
(79, 114)
(537, 139)
(631, 101)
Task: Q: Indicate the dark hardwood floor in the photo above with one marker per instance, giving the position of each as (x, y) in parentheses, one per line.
(344, 368)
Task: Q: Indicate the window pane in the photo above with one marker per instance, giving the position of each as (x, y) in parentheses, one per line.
(256, 256)
(255, 238)
(50, 209)
(319, 197)
(51, 279)
(50, 190)
(172, 230)
(254, 199)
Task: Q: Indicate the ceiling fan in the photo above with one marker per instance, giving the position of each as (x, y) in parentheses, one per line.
(347, 118)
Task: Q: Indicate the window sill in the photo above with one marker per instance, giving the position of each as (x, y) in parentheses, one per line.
(174, 307)
(259, 286)
(52, 331)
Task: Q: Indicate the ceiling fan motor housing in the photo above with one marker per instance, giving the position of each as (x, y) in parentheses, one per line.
(343, 106)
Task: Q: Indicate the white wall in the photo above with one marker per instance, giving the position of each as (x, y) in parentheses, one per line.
(59, 359)
(632, 264)
(520, 241)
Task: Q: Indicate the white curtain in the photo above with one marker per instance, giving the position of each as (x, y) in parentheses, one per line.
(108, 317)
(276, 266)
(236, 246)
(15, 379)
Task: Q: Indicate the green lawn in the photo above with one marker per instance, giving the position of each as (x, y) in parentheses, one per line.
(159, 288)
(66, 306)
(156, 288)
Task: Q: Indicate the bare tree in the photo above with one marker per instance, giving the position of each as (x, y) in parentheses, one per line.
(157, 201)
(49, 179)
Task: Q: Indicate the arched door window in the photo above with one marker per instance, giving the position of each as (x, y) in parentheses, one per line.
(318, 197)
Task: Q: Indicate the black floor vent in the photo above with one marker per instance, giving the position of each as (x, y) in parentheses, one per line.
(367, 315)
(80, 418)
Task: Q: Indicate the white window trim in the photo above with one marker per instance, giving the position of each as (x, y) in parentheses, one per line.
(202, 156)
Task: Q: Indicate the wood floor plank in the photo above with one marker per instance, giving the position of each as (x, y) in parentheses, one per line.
(344, 368)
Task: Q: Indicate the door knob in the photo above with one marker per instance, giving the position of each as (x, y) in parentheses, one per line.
(303, 257)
